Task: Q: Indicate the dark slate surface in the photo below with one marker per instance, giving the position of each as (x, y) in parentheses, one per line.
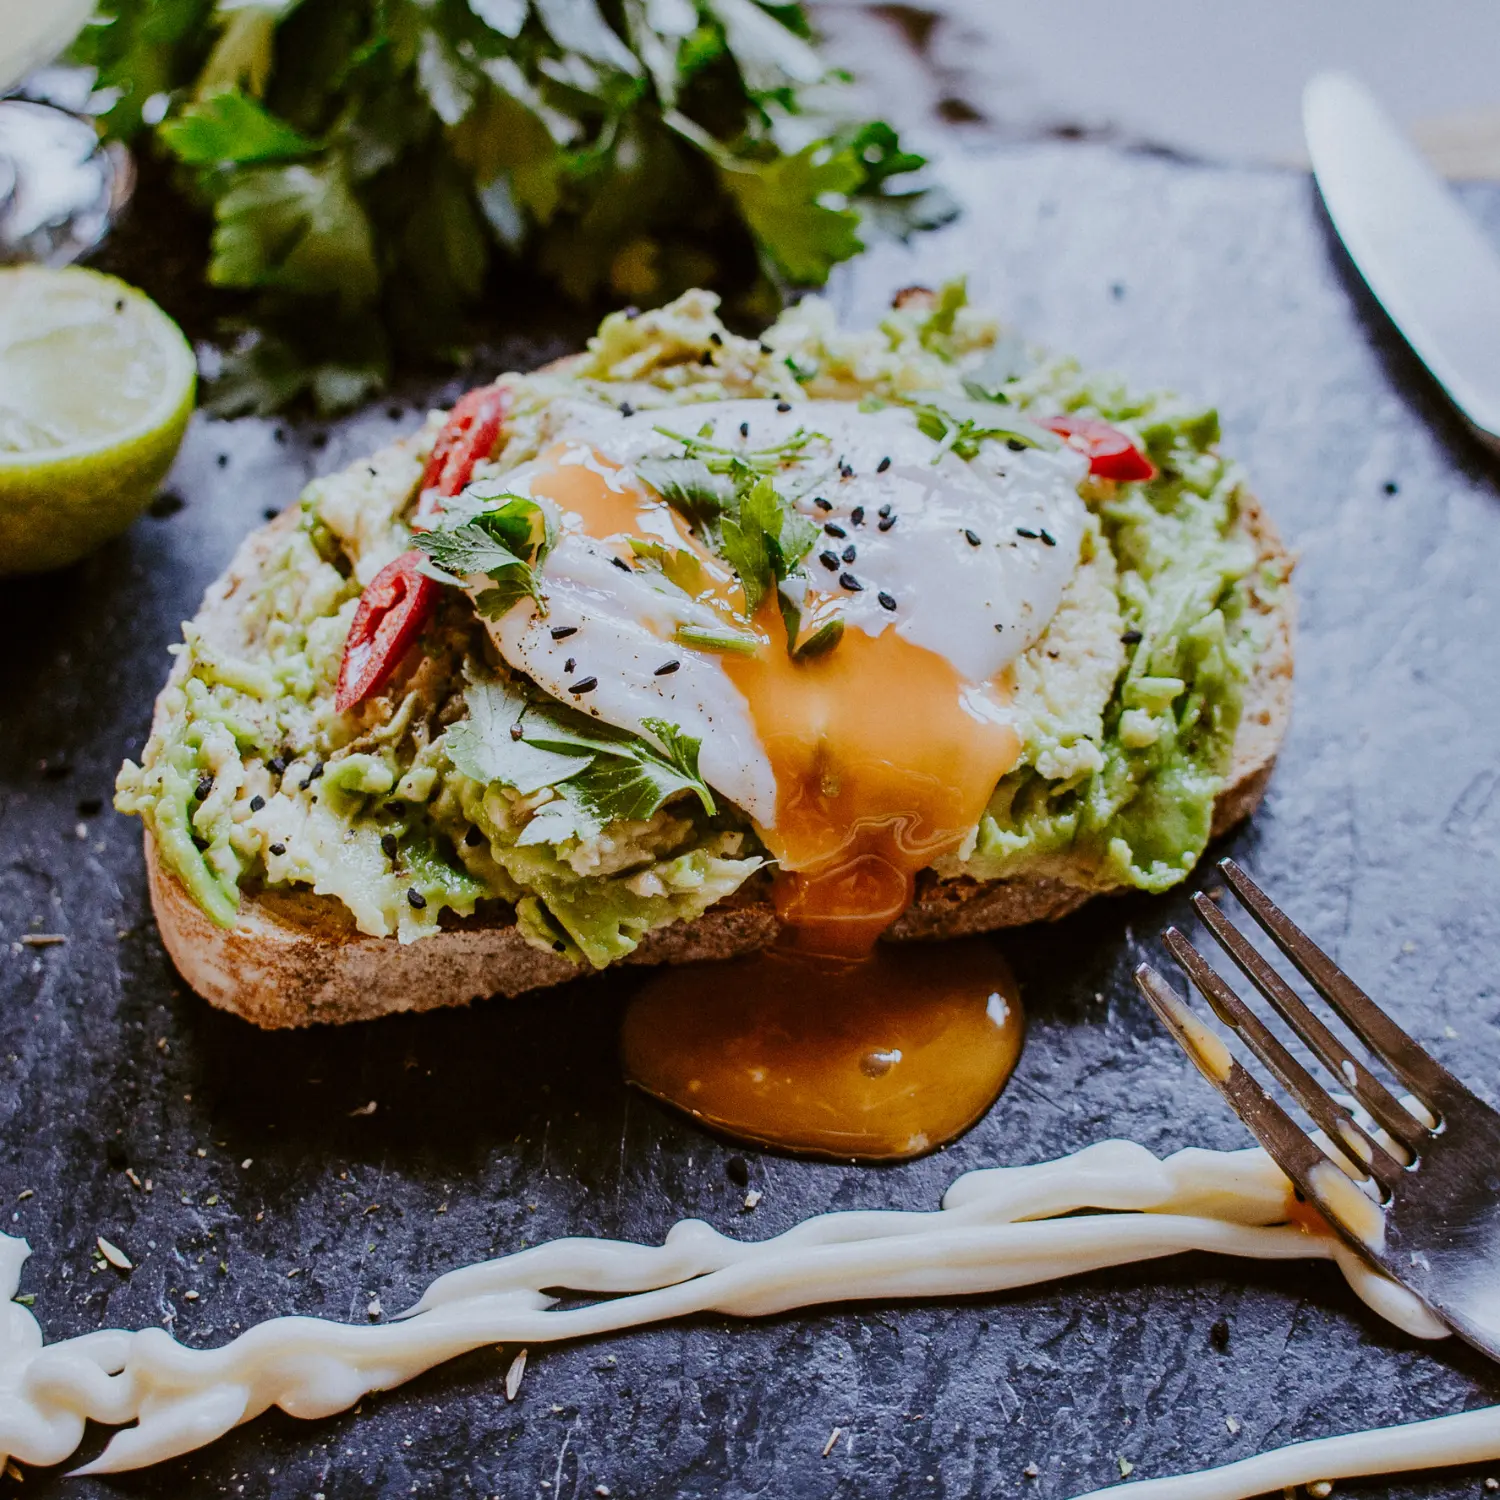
(1381, 833)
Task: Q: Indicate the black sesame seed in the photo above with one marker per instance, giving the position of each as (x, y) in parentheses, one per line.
(316, 772)
(833, 530)
(744, 429)
(516, 731)
(972, 538)
(276, 765)
(204, 787)
(278, 849)
(886, 523)
(389, 845)
(823, 504)
(1015, 445)
(737, 1170)
(845, 470)
(887, 601)
(584, 685)
(626, 409)
(783, 406)
(1048, 538)
(765, 348)
(1131, 638)
(621, 564)
(850, 582)
(716, 338)
(570, 664)
(882, 466)
(999, 626)
(562, 632)
(848, 553)
(1218, 1334)
(666, 669)
(88, 806)
(415, 899)
(473, 836)
(394, 412)
(1391, 487)
(830, 560)
(559, 946)
(706, 358)
(1027, 532)
(223, 460)
(857, 515)
(883, 512)
(257, 802)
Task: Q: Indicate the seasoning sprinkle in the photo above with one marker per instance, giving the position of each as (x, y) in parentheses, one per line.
(562, 632)
(389, 845)
(621, 564)
(857, 515)
(845, 471)
(415, 899)
(833, 530)
(1047, 537)
(204, 787)
(999, 626)
(715, 337)
(1131, 638)
(744, 429)
(626, 409)
(1027, 532)
(783, 407)
(830, 560)
(823, 504)
(257, 802)
(850, 582)
(972, 538)
(848, 553)
(883, 512)
(887, 601)
(886, 522)
(276, 765)
(1015, 445)
(585, 685)
(666, 669)
(570, 664)
(278, 849)
(882, 466)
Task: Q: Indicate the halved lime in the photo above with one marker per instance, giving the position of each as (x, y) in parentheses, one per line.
(96, 388)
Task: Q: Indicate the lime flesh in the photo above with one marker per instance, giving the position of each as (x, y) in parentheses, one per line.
(96, 388)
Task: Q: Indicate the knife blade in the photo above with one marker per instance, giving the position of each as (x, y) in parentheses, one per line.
(1427, 262)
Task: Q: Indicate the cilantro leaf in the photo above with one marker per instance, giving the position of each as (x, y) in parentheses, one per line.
(506, 544)
(485, 749)
(688, 485)
(964, 426)
(231, 128)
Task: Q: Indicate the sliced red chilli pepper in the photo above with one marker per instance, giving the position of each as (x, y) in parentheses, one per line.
(399, 600)
(469, 434)
(1111, 454)
(391, 613)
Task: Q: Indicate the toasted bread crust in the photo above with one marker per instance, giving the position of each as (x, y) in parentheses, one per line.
(294, 958)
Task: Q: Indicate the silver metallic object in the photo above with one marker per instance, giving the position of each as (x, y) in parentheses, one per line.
(1429, 1212)
(1425, 259)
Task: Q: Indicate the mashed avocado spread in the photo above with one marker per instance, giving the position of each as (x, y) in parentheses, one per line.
(1127, 705)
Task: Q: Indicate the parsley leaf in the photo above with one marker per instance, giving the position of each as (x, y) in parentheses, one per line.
(601, 774)
(688, 485)
(231, 128)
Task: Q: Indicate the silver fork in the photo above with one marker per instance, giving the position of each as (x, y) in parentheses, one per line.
(1429, 1211)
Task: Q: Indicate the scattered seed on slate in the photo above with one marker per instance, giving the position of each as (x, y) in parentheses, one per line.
(744, 429)
(204, 787)
(415, 899)
(887, 601)
(89, 806)
(626, 409)
(882, 466)
(1048, 538)
(584, 685)
(830, 560)
(473, 836)
(850, 582)
(666, 668)
(278, 849)
(1218, 1334)
(570, 664)
(1015, 445)
(1131, 638)
(886, 522)
(388, 845)
(737, 1170)
(1027, 532)
(857, 515)
(823, 504)
(833, 530)
(257, 802)
(848, 553)
(562, 632)
(972, 538)
(783, 406)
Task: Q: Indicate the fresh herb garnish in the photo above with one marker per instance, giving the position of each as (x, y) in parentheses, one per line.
(600, 774)
(505, 542)
(962, 427)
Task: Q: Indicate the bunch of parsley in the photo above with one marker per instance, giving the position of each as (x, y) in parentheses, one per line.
(370, 163)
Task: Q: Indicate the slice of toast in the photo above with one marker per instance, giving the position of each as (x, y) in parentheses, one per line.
(294, 958)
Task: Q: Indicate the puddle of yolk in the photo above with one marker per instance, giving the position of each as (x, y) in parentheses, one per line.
(830, 1044)
(877, 1060)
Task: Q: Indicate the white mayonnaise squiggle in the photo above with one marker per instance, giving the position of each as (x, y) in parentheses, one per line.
(997, 1229)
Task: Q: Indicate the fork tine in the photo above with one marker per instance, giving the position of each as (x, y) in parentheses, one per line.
(1313, 1172)
(1383, 1106)
(1289, 1146)
(1365, 1155)
(1427, 1079)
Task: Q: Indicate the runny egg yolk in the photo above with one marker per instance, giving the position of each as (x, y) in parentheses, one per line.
(881, 766)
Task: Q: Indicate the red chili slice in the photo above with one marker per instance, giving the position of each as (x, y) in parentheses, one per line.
(1111, 454)
(398, 601)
